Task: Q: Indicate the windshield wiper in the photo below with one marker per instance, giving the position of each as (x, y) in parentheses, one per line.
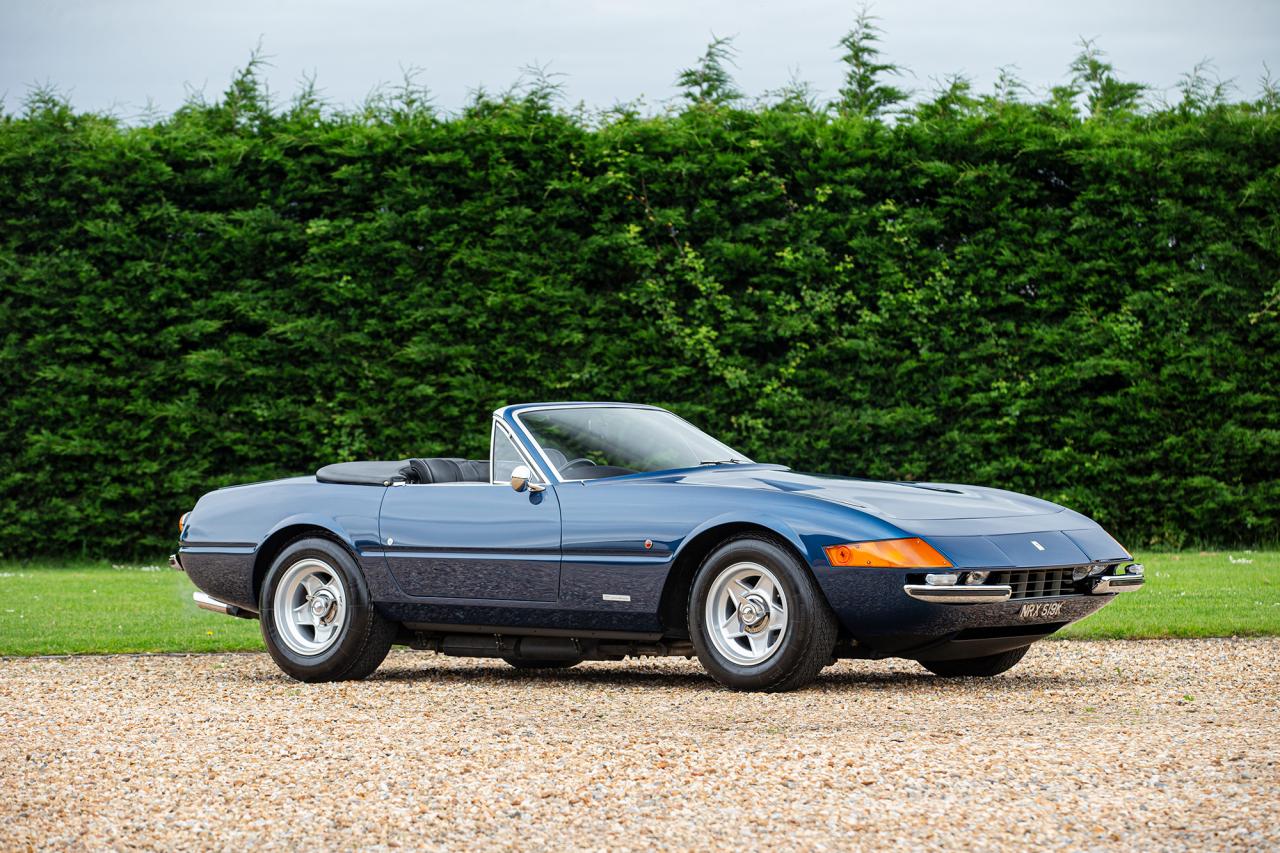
(723, 462)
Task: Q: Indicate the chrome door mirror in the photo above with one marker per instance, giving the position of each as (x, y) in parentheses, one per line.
(520, 477)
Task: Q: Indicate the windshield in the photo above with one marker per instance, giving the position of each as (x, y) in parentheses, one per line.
(588, 442)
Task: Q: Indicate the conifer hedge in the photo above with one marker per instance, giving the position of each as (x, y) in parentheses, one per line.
(1078, 301)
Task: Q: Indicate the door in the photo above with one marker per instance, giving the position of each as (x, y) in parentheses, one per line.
(473, 540)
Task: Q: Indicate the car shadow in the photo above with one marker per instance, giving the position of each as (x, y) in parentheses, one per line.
(843, 678)
(617, 676)
(1012, 681)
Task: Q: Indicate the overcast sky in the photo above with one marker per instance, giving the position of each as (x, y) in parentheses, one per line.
(118, 55)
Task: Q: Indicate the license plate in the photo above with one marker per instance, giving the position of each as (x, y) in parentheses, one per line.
(1040, 610)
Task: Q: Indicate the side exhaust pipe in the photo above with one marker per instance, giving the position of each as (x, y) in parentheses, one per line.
(208, 602)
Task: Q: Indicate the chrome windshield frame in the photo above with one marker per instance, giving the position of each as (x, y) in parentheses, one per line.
(546, 460)
(498, 424)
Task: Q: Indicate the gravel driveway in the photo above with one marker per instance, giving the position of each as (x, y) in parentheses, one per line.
(1084, 745)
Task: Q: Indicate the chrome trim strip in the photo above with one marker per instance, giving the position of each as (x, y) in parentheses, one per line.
(187, 550)
(192, 543)
(425, 552)
(1117, 583)
(962, 594)
(449, 485)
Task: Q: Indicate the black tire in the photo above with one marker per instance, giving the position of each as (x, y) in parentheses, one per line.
(365, 636)
(805, 645)
(983, 667)
(529, 663)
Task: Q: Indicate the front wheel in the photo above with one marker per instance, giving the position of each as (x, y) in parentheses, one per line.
(983, 667)
(757, 618)
(317, 618)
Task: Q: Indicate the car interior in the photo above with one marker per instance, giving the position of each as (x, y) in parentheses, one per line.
(583, 468)
(449, 469)
(585, 442)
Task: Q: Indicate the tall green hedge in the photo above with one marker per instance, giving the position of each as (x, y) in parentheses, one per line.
(983, 291)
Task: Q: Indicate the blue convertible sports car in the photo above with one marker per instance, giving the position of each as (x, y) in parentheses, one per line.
(602, 530)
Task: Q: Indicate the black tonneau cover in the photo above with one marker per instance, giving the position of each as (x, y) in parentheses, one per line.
(374, 472)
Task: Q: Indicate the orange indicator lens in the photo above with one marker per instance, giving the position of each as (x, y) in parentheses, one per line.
(911, 553)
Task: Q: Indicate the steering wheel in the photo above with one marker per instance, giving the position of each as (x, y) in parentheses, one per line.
(580, 460)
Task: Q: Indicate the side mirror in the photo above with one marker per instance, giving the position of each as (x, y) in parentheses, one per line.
(520, 480)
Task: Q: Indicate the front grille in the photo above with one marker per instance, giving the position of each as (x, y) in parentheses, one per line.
(1036, 583)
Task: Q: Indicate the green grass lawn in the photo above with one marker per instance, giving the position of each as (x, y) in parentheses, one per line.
(101, 608)
(1194, 594)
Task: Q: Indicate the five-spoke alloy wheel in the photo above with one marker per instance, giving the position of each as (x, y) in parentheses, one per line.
(318, 621)
(310, 606)
(746, 613)
(757, 618)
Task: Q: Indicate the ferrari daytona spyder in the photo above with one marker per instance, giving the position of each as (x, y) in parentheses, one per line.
(597, 531)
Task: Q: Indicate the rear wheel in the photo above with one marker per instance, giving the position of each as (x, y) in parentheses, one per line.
(757, 618)
(317, 619)
(983, 667)
(528, 663)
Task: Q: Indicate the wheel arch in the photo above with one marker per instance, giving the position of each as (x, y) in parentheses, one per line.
(287, 531)
(672, 610)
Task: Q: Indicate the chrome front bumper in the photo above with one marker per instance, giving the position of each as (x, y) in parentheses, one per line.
(997, 593)
(1117, 583)
(977, 594)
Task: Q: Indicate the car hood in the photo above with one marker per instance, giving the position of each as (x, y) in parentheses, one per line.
(973, 526)
(899, 501)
